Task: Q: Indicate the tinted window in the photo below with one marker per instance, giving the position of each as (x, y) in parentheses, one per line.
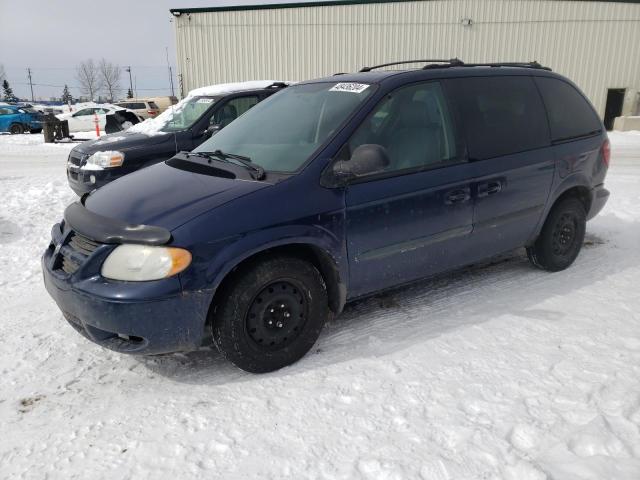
(233, 109)
(414, 126)
(502, 115)
(153, 105)
(283, 131)
(5, 111)
(570, 115)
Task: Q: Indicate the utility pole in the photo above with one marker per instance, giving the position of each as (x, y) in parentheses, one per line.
(128, 69)
(170, 72)
(30, 84)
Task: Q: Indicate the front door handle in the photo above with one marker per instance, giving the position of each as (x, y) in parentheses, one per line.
(489, 188)
(459, 195)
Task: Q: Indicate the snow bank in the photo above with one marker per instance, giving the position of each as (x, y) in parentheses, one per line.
(153, 126)
(29, 144)
(500, 371)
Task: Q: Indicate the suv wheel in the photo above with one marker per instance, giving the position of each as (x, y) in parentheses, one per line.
(561, 238)
(271, 315)
(16, 129)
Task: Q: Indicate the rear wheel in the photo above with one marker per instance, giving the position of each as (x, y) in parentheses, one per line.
(36, 130)
(16, 129)
(561, 238)
(271, 314)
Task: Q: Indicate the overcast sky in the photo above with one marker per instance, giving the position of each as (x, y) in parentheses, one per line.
(52, 37)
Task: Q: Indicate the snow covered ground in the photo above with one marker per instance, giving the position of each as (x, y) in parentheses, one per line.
(500, 371)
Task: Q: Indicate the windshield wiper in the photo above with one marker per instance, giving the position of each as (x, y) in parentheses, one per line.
(244, 161)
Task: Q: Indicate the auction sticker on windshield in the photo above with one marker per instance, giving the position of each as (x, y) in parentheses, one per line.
(349, 87)
(205, 100)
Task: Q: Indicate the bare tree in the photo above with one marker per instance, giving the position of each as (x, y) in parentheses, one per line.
(2, 73)
(88, 77)
(110, 76)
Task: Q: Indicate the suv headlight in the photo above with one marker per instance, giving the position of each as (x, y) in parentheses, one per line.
(100, 160)
(139, 263)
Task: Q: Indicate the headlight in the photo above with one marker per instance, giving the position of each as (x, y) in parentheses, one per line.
(139, 263)
(100, 160)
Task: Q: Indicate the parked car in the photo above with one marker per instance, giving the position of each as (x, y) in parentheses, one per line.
(330, 190)
(163, 102)
(83, 120)
(17, 119)
(144, 108)
(204, 111)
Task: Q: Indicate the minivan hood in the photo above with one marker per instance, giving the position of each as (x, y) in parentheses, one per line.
(165, 196)
(121, 141)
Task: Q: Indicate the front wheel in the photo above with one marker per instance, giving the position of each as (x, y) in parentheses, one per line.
(270, 314)
(561, 237)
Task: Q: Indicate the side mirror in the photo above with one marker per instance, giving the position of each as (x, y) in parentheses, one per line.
(367, 159)
(212, 130)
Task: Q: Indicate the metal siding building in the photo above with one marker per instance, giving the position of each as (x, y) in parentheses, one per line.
(595, 43)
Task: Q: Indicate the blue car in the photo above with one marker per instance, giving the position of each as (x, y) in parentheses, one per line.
(17, 119)
(328, 191)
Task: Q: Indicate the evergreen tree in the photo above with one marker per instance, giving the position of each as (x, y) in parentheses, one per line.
(66, 96)
(8, 93)
(129, 93)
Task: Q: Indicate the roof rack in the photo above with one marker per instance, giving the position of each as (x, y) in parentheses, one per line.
(278, 85)
(456, 62)
(533, 64)
(451, 62)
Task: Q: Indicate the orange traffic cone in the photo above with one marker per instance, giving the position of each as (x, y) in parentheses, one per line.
(97, 122)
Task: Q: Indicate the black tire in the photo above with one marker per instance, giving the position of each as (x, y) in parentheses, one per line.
(16, 129)
(561, 237)
(35, 130)
(271, 314)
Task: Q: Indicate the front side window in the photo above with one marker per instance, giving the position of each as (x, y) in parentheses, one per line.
(415, 127)
(570, 115)
(83, 112)
(233, 109)
(283, 131)
(502, 115)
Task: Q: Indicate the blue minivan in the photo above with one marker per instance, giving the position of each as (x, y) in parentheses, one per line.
(16, 119)
(328, 191)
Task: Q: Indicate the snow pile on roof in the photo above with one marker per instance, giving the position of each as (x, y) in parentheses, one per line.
(154, 126)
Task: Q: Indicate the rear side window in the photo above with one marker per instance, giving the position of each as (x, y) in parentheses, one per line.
(570, 115)
(501, 115)
(153, 105)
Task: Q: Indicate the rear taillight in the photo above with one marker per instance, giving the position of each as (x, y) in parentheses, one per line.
(151, 112)
(606, 152)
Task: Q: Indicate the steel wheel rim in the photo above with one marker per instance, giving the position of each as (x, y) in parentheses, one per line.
(277, 315)
(564, 234)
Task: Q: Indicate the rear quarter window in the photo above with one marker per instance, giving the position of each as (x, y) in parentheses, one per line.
(570, 114)
(153, 105)
(501, 115)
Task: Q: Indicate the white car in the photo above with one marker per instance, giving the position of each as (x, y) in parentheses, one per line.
(83, 120)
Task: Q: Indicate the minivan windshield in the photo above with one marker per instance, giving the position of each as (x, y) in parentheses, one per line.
(280, 133)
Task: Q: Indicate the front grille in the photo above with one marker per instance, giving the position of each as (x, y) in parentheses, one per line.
(75, 158)
(82, 244)
(75, 252)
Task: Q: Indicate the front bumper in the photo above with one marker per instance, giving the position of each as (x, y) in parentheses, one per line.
(128, 317)
(599, 197)
(83, 181)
